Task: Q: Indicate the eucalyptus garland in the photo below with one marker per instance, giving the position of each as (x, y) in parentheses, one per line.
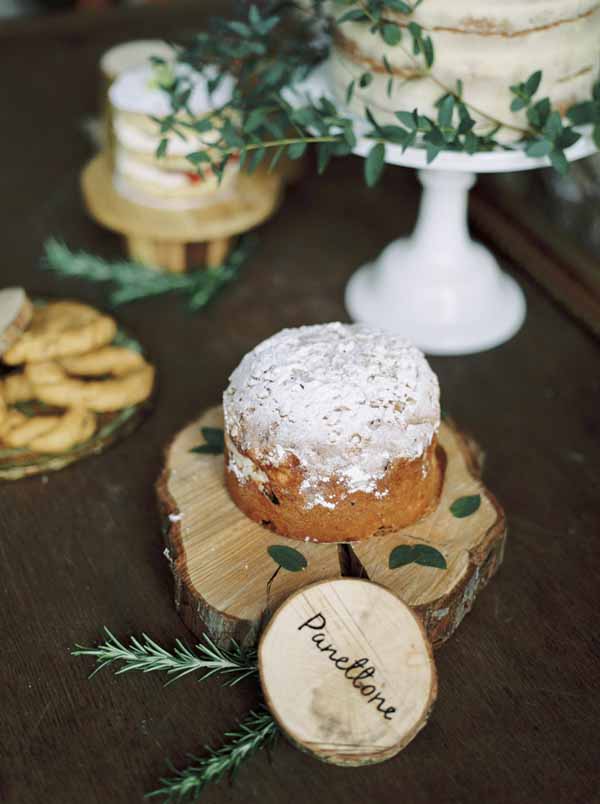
(274, 47)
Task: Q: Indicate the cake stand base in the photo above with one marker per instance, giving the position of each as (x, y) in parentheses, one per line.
(226, 580)
(456, 319)
(438, 288)
(178, 241)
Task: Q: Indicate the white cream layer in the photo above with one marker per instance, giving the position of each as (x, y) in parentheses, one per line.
(567, 52)
(136, 139)
(133, 91)
(169, 180)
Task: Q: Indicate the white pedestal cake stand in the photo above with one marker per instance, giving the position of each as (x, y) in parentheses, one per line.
(438, 287)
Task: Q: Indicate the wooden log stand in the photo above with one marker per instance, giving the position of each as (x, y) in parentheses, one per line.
(177, 240)
(223, 567)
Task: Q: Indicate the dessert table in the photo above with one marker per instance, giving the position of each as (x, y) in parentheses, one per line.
(518, 706)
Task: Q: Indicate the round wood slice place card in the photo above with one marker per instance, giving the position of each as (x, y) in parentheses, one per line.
(347, 671)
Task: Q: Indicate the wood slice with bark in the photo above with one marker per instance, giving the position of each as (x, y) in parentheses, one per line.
(347, 672)
(223, 563)
(440, 564)
(229, 572)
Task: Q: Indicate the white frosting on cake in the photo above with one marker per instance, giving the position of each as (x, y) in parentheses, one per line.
(135, 169)
(487, 45)
(134, 91)
(151, 186)
(137, 139)
(133, 54)
(344, 400)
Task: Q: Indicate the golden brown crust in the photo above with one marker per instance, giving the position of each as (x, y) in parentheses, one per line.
(409, 489)
(60, 329)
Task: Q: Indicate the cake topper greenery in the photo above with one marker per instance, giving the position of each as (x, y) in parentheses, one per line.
(273, 47)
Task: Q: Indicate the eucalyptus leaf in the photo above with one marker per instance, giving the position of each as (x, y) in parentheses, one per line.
(465, 506)
(533, 83)
(288, 558)
(427, 556)
(422, 554)
(354, 15)
(162, 148)
(215, 442)
(399, 5)
(296, 150)
(374, 164)
(538, 148)
(446, 110)
(559, 162)
(391, 33)
(407, 119)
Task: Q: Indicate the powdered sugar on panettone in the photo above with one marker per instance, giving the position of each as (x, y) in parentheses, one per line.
(344, 400)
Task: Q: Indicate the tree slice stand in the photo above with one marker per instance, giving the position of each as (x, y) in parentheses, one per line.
(176, 240)
(223, 570)
(18, 463)
(347, 672)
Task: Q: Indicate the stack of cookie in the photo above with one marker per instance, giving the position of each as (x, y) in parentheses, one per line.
(62, 357)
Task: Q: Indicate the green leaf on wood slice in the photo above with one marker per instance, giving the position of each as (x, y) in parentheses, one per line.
(421, 554)
(374, 164)
(215, 442)
(465, 506)
(287, 558)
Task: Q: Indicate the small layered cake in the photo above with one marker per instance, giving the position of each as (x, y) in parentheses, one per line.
(138, 99)
(331, 433)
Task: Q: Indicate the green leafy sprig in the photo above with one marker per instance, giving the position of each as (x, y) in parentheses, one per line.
(147, 656)
(588, 113)
(256, 731)
(270, 50)
(550, 134)
(133, 281)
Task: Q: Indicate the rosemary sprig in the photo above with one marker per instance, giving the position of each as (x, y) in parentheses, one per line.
(146, 656)
(256, 731)
(132, 281)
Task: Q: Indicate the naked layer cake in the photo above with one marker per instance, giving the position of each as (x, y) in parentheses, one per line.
(486, 44)
(137, 100)
(331, 433)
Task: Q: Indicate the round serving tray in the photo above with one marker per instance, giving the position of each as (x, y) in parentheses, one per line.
(18, 463)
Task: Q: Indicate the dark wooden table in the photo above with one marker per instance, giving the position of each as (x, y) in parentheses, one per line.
(518, 710)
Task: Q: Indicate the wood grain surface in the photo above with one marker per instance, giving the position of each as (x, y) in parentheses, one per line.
(224, 578)
(221, 567)
(347, 671)
(472, 546)
(516, 721)
(251, 201)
